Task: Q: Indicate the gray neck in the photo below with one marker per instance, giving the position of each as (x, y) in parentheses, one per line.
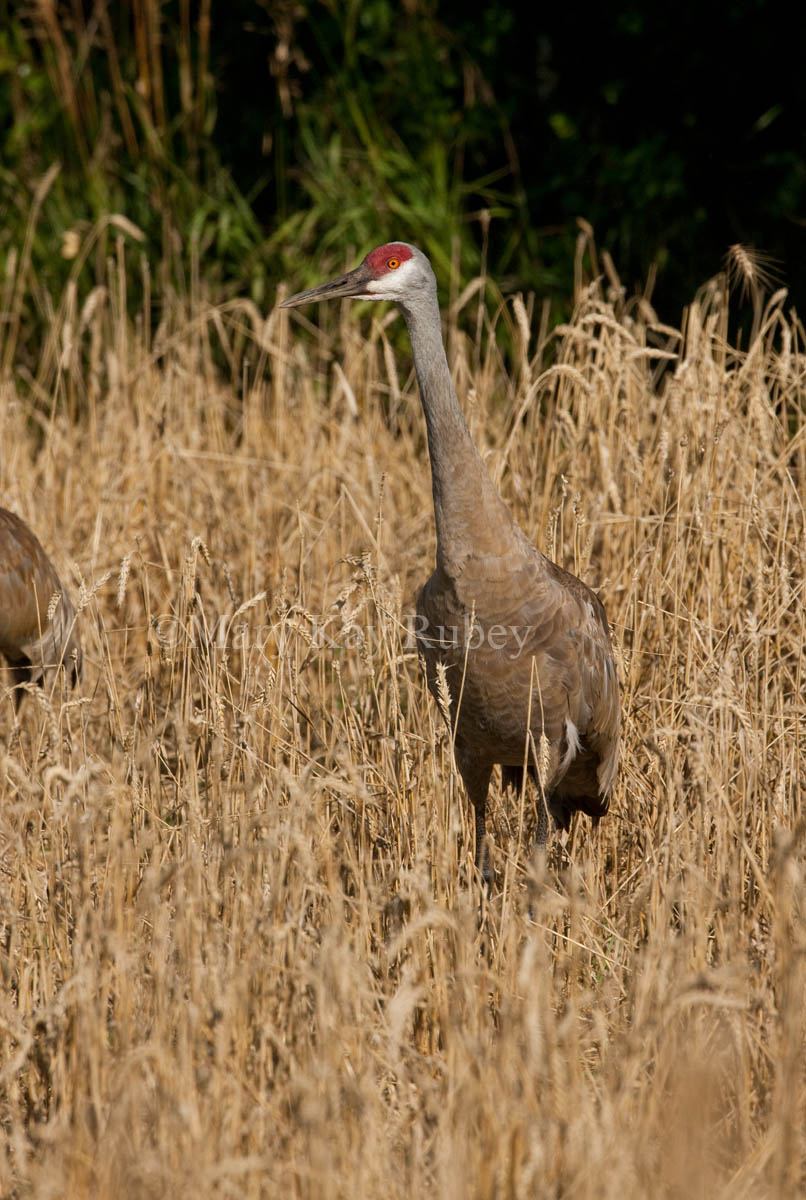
(471, 518)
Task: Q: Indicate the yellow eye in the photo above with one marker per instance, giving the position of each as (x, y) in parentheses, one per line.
(392, 263)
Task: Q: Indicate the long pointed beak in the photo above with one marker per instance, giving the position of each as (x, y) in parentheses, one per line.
(353, 284)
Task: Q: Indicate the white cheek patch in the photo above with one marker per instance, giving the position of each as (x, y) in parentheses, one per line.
(392, 282)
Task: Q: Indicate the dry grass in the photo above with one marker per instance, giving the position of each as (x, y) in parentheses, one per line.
(241, 949)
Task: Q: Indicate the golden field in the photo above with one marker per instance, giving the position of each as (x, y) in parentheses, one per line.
(242, 948)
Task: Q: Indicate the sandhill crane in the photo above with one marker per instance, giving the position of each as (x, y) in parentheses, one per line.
(37, 624)
(522, 645)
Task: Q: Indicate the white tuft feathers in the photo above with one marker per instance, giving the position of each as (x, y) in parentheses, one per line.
(573, 748)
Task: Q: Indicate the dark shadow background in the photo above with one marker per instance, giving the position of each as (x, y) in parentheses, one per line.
(272, 138)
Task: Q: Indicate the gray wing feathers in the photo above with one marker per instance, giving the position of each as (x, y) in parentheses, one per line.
(37, 619)
(552, 665)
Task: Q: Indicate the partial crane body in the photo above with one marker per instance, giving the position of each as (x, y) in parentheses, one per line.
(522, 645)
(38, 628)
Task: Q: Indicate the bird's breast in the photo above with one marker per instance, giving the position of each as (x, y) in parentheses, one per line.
(523, 655)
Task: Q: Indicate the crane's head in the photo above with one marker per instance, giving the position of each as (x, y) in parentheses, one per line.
(396, 271)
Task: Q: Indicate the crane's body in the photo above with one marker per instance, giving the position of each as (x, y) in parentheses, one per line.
(31, 641)
(525, 645)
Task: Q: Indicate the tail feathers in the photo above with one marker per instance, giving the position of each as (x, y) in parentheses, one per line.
(562, 804)
(512, 777)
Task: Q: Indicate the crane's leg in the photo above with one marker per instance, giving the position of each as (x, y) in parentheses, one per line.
(543, 820)
(476, 778)
(20, 673)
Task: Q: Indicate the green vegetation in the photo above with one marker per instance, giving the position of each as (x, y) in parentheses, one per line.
(261, 141)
